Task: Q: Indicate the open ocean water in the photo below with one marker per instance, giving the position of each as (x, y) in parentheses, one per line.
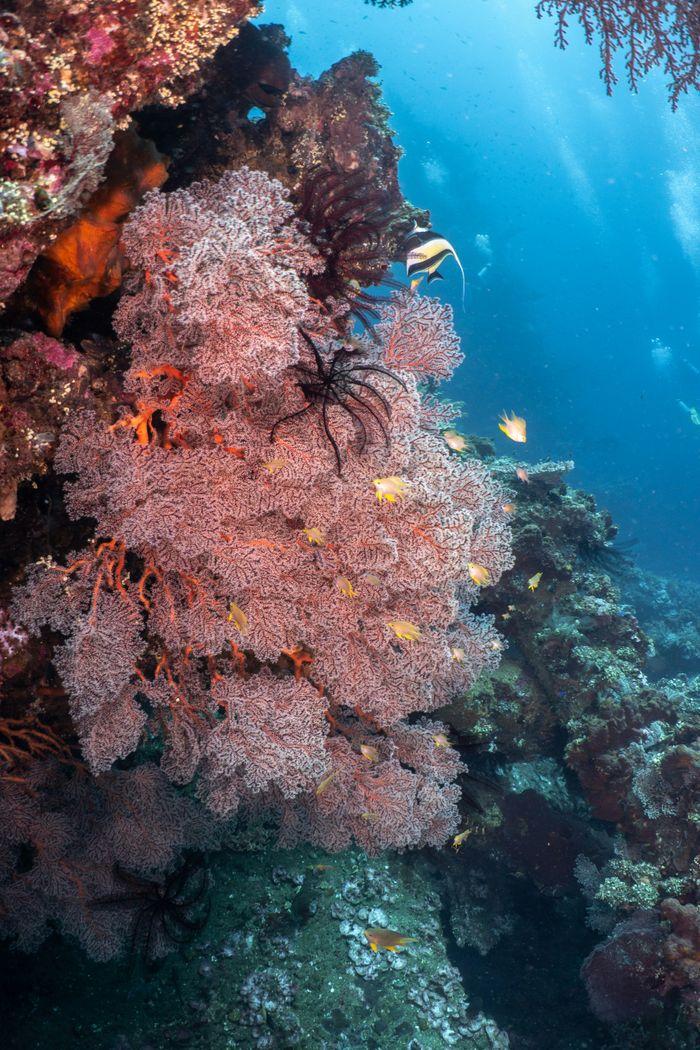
(586, 319)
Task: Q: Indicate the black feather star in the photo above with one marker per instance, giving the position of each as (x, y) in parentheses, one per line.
(343, 381)
(173, 909)
(348, 219)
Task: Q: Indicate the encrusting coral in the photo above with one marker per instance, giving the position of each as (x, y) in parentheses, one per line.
(69, 74)
(219, 530)
(572, 696)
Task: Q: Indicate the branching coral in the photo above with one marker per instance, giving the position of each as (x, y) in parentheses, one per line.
(271, 620)
(650, 34)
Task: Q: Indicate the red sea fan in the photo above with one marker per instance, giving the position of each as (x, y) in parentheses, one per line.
(261, 614)
(418, 336)
(650, 34)
(223, 265)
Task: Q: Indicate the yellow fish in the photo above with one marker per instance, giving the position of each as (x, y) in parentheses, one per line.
(508, 508)
(534, 581)
(325, 782)
(237, 617)
(441, 740)
(405, 630)
(389, 940)
(479, 574)
(315, 536)
(390, 489)
(514, 427)
(456, 441)
(522, 475)
(273, 465)
(369, 752)
(458, 654)
(459, 840)
(345, 587)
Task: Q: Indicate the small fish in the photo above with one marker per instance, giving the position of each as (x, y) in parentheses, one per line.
(456, 441)
(389, 940)
(508, 508)
(497, 645)
(345, 587)
(369, 752)
(513, 427)
(522, 474)
(458, 654)
(405, 630)
(273, 465)
(315, 536)
(369, 818)
(459, 840)
(426, 250)
(479, 574)
(237, 617)
(534, 581)
(371, 578)
(390, 489)
(320, 790)
(441, 740)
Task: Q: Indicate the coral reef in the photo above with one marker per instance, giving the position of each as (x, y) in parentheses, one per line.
(70, 74)
(573, 696)
(221, 521)
(282, 962)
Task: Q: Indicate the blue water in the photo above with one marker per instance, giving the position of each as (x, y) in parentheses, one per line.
(592, 207)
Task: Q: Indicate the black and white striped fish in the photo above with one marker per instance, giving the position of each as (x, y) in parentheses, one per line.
(426, 250)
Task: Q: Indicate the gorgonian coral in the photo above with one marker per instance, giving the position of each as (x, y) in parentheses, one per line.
(649, 33)
(272, 621)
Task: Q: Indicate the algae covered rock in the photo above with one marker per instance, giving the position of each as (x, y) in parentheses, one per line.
(293, 967)
(283, 962)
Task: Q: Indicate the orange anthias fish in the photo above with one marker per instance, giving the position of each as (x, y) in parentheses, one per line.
(315, 536)
(390, 489)
(456, 441)
(405, 630)
(534, 581)
(369, 752)
(441, 740)
(389, 940)
(514, 427)
(479, 574)
(522, 474)
(345, 587)
(508, 508)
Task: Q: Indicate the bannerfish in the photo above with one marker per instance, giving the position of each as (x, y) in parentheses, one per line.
(426, 250)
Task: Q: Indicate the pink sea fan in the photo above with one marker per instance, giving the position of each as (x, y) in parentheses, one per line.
(272, 734)
(261, 612)
(225, 264)
(418, 336)
(70, 831)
